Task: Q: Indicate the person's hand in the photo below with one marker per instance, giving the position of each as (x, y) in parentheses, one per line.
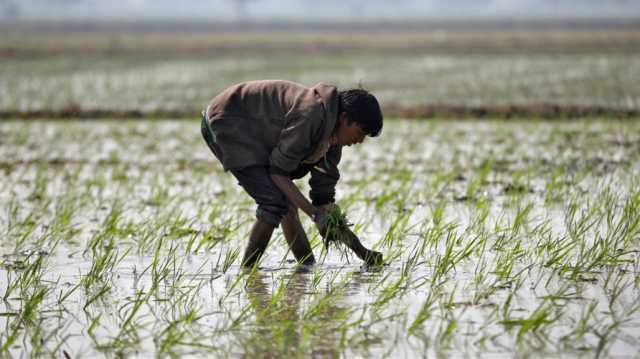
(325, 208)
(328, 207)
(321, 221)
(373, 258)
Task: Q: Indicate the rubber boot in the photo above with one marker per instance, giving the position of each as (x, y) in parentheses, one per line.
(258, 241)
(297, 238)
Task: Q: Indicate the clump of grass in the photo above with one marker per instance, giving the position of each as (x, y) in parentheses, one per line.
(338, 231)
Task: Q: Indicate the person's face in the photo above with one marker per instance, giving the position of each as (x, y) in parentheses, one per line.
(349, 133)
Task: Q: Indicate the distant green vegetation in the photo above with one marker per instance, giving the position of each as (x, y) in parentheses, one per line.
(152, 84)
(163, 71)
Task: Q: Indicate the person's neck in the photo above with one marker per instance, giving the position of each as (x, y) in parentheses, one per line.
(333, 140)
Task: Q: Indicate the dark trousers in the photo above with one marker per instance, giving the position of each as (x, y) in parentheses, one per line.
(256, 181)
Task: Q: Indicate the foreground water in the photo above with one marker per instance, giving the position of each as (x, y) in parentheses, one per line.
(502, 238)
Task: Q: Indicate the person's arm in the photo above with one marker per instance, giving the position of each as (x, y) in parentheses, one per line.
(324, 177)
(295, 142)
(293, 194)
(286, 185)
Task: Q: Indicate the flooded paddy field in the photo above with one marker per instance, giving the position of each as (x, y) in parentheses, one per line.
(501, 239)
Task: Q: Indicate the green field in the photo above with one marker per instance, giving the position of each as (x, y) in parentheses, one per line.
(502, 238)
(122, 237)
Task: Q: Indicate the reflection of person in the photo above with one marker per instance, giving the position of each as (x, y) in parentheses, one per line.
(284, 318)
(267, 133)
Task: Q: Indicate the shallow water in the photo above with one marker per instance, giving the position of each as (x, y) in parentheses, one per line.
(503, 238)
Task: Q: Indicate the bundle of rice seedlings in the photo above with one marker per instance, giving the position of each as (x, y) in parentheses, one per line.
(338, 231)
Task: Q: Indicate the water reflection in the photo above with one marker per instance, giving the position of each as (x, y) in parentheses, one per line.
(291, 319)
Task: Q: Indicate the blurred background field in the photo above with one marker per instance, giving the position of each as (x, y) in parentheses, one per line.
(173, 68)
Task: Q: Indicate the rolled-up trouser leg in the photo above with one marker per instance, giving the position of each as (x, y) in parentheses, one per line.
(272, 206)
(272, 203)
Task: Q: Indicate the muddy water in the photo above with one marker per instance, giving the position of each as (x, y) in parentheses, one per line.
(503, 238)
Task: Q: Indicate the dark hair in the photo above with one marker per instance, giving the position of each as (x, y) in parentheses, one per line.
(363, 108)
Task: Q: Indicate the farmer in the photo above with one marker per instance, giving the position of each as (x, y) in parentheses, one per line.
(267, 133)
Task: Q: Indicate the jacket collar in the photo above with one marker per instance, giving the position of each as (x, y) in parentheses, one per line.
(329, 97)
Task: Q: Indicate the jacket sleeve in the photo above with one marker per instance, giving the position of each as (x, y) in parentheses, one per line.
(324, 177)
(295, 142)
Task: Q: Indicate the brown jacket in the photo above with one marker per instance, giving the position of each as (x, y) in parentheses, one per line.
(279, 124)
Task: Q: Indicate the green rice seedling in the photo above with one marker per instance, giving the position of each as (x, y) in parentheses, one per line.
(398, 227)
(239, 278)
(229, 258)
(26, 318)
(317, 277)
(190, 242)
(39, 191)
(553, 191)
(105, 238)
(397, 192)
(178, 333)
(426, 310)
(226, 228)
(555, 250)
(481, 275)
(98, 294)
(614, 288)
(519, 223)
(162, 266)
(450, 258)
(604, 332)
(437, 213)
(325, 301)
(30, 276)
(338, 231)
(543, 315)
(31, 293)
(158, 197)
(127, 337)
(445, 335)
(582, 327)
(413, 259)
(480, 178)
(392, 291)
(481, 213)
(64, 213)
(102, 266)
(62, 297)
(96, 185)
(622, 232)
(578, 224)
(506, 261)
(12, 211)
(22, 238)
(448, 324)
(178, 226)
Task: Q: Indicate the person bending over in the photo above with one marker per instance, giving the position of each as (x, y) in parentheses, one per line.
(268, 133)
